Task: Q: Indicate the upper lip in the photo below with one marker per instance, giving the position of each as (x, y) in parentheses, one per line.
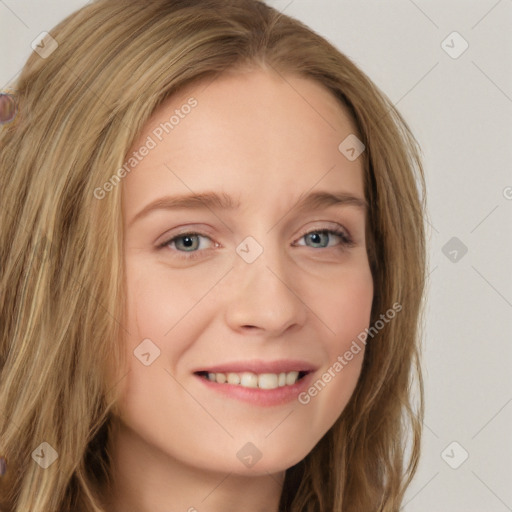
(259, 366)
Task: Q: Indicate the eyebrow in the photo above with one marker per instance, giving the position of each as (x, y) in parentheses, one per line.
(215, 201)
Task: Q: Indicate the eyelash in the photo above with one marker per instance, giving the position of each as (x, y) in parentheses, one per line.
(346, 241)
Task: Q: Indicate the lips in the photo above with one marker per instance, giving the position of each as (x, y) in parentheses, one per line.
(258, 396)
(265, 375)
(259, 366)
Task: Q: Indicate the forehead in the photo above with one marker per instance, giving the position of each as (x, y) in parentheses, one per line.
(250, 133)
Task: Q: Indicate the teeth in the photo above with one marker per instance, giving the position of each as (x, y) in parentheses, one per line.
(233, 378)
(249, 380)
(291, 378)
(268, 381)
(253, 380)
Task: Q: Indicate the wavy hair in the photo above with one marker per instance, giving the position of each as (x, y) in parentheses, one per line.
(62, 280)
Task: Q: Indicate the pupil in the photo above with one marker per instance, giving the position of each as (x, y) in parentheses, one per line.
(316, 238)
(185, 241)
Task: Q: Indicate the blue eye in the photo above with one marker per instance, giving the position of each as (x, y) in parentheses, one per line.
(188, 243)
(316, 236)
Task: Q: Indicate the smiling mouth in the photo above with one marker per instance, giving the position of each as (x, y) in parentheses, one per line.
(255, 380)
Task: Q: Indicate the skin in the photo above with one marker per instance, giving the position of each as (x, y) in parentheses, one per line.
(265, 140)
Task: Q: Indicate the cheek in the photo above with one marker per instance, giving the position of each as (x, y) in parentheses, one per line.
(350, 313)
(154, 303)
(345, 308)
(344, 305)
(165, 314)
(160, 298)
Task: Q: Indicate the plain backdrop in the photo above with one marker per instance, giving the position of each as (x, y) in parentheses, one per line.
(459, 106)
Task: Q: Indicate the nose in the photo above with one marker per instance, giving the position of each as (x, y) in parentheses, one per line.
(263, 297)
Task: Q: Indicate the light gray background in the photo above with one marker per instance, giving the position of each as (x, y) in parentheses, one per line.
(461, 111)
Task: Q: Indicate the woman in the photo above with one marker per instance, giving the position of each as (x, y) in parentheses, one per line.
(257, 371)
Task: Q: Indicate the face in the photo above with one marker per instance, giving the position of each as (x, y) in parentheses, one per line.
(240, 301)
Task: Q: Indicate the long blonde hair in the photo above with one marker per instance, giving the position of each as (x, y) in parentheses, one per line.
(62, 282)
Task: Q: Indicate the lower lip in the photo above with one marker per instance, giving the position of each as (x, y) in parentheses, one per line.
(257, 396)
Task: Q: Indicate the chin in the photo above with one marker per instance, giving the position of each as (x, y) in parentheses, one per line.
(273, 461)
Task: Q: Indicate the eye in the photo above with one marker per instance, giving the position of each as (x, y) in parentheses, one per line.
(187, 245)
(319, 236)
(188, 241)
